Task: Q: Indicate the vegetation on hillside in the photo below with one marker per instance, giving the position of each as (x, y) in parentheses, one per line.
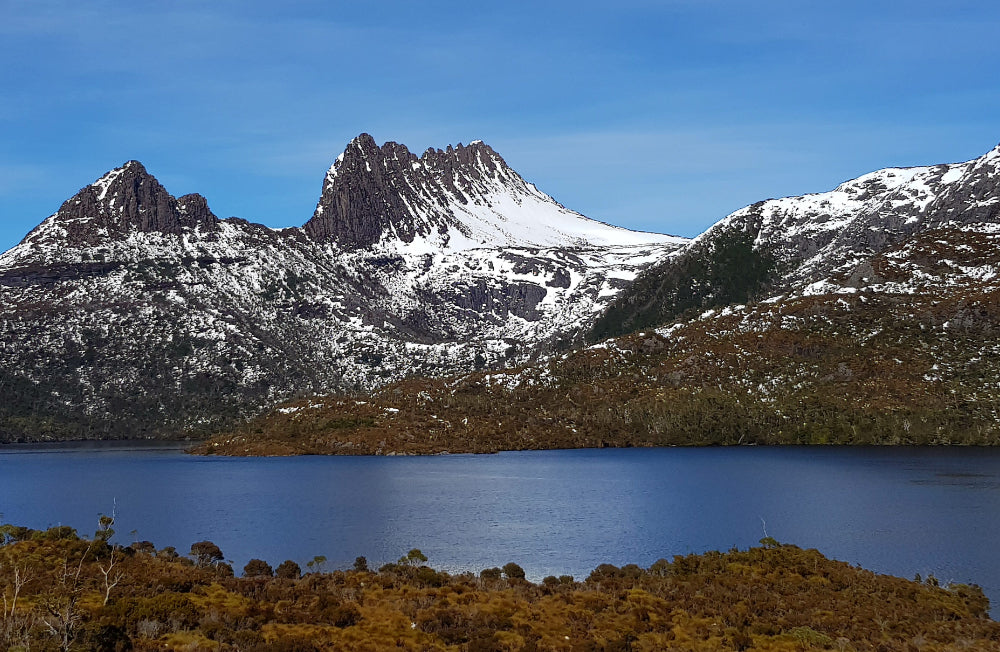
(63, 592)
(868, 366)
(33, 411)
(725, 268)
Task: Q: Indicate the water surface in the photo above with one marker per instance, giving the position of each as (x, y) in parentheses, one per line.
(894, 510)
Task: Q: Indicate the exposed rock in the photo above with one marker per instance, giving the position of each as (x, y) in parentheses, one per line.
(133, 313)
(124, 200)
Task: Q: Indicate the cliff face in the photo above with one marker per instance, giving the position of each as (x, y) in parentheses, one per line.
(365, 196)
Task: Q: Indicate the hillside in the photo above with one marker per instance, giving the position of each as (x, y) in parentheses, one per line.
(133, 313)
(903, 349)
(784, 245)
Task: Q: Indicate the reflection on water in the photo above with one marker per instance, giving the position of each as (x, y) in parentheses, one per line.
(971, 480)
(114, 446)
(895, 510)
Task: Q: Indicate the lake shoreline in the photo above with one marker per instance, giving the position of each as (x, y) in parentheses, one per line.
(203, 447)
(899, 510)
(206, 449)
(161, 599)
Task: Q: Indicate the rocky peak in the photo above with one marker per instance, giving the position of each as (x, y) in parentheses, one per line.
(460, 197)
(360, 199)
(373, 191)
(194, 211)
(127, 199)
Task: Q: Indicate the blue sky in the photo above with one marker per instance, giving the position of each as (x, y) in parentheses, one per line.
(662, 116)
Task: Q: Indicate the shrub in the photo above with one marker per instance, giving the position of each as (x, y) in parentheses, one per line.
(513, 572)
(490, 573)
(107, 638)
(258, 568)
(206, 553)
(288, 570)
(345, 615)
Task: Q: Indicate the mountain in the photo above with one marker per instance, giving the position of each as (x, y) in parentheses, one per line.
(874, 319)
(909, 356)
(456, 199)
(785, 245)
(441, 302)
(130, 312)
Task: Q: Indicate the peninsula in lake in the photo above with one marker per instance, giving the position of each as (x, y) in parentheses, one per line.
(441, 302)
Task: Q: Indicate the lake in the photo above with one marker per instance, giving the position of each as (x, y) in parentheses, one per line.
(894, 510)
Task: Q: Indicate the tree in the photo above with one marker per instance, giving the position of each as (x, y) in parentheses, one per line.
(288, 570)
(770, 543)
(21, 576)
(258, 568)
(104, 529)
(513, 571)
(413, 558)
(110, 568)
(12, 533)
(60, 615)
(206, 553)
(112, 572)
(361, 564)
(317, 563)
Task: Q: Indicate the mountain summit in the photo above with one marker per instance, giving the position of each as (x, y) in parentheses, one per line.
(130, 312)
(458, 198)
(124, 200)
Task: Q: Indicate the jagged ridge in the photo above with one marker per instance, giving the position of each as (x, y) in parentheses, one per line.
(131, 312)
(459, 198)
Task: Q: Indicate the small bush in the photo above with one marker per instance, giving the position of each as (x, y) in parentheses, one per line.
(258, 568)
(288, 570)
(513, 572)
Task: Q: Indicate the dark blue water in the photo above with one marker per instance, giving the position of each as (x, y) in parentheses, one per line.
(894, 510)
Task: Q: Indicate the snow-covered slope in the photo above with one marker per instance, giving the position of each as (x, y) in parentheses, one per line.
(135, 312)
(456, 199)
(131, 312)
(806, 243)
(820, 234)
